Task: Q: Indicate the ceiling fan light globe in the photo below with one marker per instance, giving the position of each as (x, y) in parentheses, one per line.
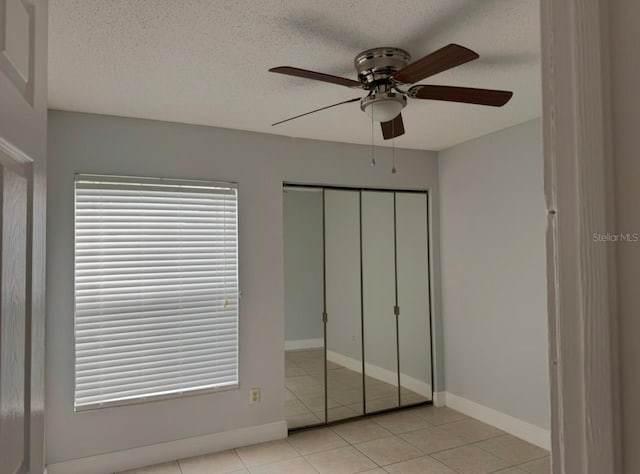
(383, 106)
(384, 111)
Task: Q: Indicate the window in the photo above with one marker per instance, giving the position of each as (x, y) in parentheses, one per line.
(156, 289)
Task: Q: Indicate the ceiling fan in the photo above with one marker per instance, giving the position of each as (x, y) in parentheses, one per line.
(385, 72)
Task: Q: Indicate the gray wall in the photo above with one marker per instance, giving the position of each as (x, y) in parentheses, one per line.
(259, 163)
(625, 68)
(302, 265)
(493, 272)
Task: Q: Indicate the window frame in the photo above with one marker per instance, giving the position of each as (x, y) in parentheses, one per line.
(176, 394)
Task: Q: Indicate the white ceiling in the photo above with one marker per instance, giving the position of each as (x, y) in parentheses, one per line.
(205, 62)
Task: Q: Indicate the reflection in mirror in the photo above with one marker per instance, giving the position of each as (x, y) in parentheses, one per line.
(344, 327)
(378, 278)
(413, 298)
(304, 328)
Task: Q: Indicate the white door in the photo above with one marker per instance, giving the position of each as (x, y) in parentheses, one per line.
(23, 58)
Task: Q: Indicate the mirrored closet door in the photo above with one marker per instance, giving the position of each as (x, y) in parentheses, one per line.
(379, 301)
(303, 307)
(344, 310)
(413, 290)
(357, 303)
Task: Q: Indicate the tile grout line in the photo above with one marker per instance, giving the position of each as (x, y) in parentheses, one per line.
(392, 435)
(365, 455)
(533, 460)
(300, 454)
(246, 468)
(445, 464)
(510, 464)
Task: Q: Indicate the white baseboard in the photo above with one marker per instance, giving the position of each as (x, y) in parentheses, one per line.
(439, 399)
(514, 426)
(171, 450)
(382, 374)
(298, 344)
(345, 361)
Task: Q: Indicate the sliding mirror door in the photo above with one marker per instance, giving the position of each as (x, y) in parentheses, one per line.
(414, 329)
(343, 305)
(379, 300)
(303, 308)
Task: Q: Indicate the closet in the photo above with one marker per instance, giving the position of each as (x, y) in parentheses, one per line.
(371, 351)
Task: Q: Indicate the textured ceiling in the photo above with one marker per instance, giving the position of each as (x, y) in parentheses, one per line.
(205, 62)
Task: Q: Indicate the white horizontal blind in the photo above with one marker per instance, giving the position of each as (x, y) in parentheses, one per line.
(156, 288)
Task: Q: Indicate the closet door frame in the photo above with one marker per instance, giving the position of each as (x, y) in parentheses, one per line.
(427, 194)
(324, 305)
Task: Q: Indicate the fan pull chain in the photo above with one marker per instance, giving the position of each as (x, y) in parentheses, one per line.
(393, 147)
(393, 155)
(373, 157)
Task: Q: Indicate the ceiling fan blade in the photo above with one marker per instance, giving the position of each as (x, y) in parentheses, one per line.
(317, 110)
(468, 95)
(393, 128)
(317, 76)
(445, 58)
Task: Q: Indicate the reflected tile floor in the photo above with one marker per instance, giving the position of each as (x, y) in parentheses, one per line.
(424, 440)
(304, 388)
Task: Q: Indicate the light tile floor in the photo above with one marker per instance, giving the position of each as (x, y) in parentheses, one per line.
(425, 440)
(304, 389)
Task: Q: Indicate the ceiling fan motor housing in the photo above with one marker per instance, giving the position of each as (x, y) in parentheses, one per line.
(377, 65)
(375, 68)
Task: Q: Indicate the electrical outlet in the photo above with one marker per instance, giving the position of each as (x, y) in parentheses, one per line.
(254, 396)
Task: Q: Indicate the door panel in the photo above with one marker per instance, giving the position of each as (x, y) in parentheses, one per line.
(13, 320)
(304, 305)
(413, 298)
(378, 289)
(23, 145)
(344, 327)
